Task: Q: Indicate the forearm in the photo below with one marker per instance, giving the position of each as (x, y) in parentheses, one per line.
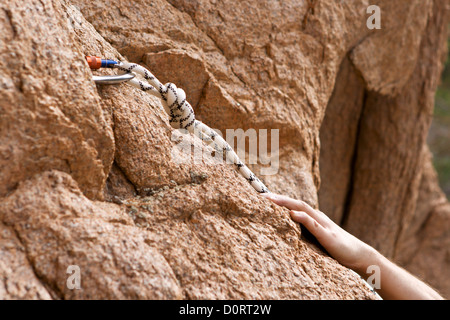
(395, 282)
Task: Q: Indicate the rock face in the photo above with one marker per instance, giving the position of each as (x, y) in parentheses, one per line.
(90, 175)
(377, 177)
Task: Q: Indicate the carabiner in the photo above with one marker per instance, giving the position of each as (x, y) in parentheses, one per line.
(116, 79)
(97, 63)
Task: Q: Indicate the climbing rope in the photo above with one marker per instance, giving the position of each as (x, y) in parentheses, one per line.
(180, 112)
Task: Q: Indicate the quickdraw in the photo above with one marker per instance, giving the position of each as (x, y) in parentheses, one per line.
(97, 63)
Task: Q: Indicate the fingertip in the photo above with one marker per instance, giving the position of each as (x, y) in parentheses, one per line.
(270, 196)
(296, 215)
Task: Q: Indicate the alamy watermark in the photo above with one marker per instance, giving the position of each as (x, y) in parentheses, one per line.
(74, 280)
(374, 280)
(374, 21)
(187, 149)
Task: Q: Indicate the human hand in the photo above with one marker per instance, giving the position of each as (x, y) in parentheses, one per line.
(341, 245)
(355, 254)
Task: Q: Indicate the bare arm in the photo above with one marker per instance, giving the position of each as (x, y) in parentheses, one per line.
(395, 282)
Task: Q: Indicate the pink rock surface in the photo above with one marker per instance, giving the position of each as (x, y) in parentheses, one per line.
(88, 173)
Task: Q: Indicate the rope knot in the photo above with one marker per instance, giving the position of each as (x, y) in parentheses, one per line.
(181, 114)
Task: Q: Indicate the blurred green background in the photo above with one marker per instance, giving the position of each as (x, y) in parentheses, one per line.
(439, 136)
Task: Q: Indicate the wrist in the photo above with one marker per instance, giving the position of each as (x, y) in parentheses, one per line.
(368, 257)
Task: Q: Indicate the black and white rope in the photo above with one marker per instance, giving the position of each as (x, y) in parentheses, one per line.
(181, 116)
